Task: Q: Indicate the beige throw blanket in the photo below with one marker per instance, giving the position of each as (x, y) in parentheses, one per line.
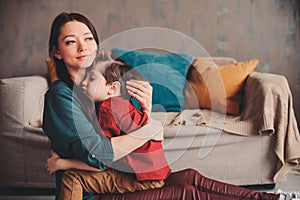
(267, 109)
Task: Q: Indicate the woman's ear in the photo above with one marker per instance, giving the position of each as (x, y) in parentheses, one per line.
(56, 53)
(114, 88)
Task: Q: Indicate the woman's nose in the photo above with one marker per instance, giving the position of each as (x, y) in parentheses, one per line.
(82, 46)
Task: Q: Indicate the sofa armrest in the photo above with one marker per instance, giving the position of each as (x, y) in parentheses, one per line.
(22, 100)
(23, 148)
(269, 101)
(258, 87)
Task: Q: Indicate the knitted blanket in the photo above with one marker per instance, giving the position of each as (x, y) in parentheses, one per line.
(267, 109)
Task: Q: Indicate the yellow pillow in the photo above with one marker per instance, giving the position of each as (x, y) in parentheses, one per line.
(216, 87)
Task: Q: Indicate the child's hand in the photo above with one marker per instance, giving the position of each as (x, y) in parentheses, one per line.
(52, 162)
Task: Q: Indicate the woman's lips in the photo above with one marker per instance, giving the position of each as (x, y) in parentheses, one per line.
(82, 57)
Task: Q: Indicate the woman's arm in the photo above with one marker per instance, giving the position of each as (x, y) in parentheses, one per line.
(125, 144)
(70, 132)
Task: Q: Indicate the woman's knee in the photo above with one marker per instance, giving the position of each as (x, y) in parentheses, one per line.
(194, 176)
(186, 176)
(193, 172)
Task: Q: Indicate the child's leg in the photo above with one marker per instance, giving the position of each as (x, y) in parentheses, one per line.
(75, 182)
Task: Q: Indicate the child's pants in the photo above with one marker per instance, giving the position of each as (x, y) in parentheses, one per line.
(75, 182)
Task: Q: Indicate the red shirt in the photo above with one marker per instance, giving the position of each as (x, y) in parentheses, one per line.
(117, 116)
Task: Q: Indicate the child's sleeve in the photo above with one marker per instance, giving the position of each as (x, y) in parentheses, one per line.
(131, 120)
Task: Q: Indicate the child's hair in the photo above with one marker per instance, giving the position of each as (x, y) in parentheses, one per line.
(117, 70)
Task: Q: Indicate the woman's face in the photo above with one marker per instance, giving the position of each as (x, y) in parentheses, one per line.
(76, 45)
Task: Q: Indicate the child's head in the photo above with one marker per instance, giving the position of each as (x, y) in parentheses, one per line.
(107, 78)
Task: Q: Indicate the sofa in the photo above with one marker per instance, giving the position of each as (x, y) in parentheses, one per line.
(214, 150)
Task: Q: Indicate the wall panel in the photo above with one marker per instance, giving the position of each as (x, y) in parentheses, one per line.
(267, 30)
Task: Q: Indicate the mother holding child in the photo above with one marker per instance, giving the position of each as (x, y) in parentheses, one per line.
(116, 153)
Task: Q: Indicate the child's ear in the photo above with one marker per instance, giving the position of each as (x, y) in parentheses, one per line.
(114, 88)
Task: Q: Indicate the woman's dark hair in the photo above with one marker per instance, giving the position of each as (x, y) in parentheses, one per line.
(61, 70)
(58, 22)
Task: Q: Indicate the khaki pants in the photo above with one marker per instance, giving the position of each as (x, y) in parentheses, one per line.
(75, 182)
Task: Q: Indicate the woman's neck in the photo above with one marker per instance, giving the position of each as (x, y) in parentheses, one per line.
(77, 76)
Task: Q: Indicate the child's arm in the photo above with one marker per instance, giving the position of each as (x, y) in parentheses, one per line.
(54, 163)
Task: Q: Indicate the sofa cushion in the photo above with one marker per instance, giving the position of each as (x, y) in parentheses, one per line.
(166, 72)
(216, 87)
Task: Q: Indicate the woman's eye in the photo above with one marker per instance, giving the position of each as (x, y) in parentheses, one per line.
(70, 42)
(90, 38)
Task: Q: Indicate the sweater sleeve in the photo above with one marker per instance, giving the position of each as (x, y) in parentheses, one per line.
(128, 118)
(107, 122)
(117, 116)
(71, 134)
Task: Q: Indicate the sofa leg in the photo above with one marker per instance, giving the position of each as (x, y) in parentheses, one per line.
(269, 186)
(261, 187)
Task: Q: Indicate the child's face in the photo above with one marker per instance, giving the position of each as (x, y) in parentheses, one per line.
(76, 45)
(95, 84)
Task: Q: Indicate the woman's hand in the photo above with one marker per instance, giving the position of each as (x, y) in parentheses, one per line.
(53, 162)
(156, 130)
(142, 91)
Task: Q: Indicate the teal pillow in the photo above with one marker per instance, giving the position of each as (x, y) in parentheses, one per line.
(166, 72)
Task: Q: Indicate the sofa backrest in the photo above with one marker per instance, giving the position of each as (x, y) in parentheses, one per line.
(22, 99)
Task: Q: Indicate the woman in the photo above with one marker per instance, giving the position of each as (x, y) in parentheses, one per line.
(72, 44)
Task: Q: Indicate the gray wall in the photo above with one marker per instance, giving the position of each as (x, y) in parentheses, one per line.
(244, 29)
